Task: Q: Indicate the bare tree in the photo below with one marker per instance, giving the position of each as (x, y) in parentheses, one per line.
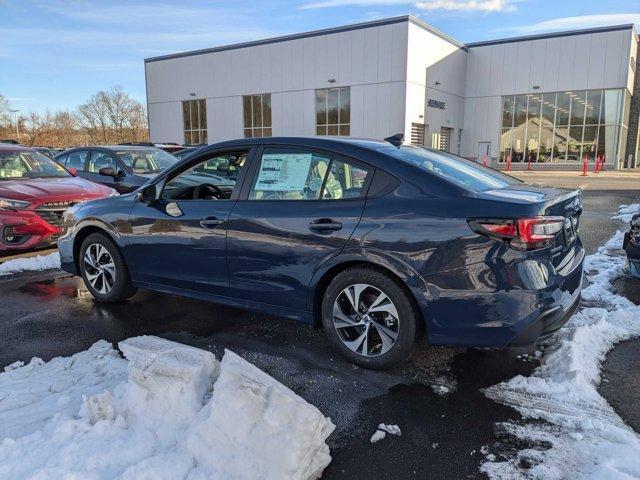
(112, 116)
(5, 113)
(107, 117)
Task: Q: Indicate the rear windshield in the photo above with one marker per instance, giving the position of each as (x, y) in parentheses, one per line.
(145, 161)
(460, 171)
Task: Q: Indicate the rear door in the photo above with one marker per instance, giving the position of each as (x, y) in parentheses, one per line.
(297, 209)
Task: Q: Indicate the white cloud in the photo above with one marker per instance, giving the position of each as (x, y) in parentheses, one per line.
(572, 23)
(486, 6)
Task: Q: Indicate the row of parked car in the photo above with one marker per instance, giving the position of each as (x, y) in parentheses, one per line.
(38, 184)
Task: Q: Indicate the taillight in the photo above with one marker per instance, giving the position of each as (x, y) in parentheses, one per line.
(522, 233)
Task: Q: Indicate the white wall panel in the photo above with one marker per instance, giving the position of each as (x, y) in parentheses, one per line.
(374, 58)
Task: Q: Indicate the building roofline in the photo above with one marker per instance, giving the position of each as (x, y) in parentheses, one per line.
(313, 33)
(390, 21)
(542, 36)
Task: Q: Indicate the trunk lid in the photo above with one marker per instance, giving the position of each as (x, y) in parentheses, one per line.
(549, 201)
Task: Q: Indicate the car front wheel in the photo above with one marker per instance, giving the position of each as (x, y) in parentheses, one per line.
(103, 269)
(369, 318)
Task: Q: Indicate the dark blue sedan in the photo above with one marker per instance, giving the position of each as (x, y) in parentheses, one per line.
(374, 241)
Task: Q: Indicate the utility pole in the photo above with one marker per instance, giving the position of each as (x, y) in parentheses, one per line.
(15, 117)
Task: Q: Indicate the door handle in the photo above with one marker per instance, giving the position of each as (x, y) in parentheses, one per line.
(211, 222)
(324, 224)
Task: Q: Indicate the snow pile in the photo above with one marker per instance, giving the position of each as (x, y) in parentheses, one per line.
(626, 212)
(170, 412)
(588, 439)
(39, 262)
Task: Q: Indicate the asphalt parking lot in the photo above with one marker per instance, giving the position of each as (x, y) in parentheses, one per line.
(51, 314)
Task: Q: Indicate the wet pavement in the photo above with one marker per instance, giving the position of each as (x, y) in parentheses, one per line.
(51, 314)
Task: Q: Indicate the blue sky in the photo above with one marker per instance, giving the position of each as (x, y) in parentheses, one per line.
(55, 54)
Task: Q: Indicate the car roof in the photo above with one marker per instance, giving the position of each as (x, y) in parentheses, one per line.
(12, 147)
(112, 147)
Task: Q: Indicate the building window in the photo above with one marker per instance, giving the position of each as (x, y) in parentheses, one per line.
(194, 114)
(333, 111)
(445, 139)
(563, 127)
(257, 115)
(417, 134)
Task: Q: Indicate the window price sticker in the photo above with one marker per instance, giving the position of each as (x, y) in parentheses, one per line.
(284, 172)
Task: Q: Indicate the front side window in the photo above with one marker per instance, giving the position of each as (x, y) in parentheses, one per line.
(194, 115)
(146, 160)
(207, 180)
(100, 160)
(333, 111)
(18, 165)
(257, 115)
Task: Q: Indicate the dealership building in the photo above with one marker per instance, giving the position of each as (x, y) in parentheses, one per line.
(549, 100)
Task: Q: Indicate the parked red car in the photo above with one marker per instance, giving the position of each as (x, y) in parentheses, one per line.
(35, 191)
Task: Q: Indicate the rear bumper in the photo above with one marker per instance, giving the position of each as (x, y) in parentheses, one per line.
(544, 327)
(24, 230)
(506, 303)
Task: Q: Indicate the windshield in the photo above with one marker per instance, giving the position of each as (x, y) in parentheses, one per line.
(144, 161)
(25, 164)
(465, 173)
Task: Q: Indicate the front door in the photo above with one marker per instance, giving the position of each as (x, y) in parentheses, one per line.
(100, 159)
(180, 240)
(299, 211)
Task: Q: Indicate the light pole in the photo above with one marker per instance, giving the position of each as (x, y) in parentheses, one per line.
(15, 117)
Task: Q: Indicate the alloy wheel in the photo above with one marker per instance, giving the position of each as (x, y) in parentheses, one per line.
(366, 320)
(99, 268)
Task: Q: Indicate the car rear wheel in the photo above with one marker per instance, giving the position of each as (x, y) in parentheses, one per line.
(369, 318)
(103, 269)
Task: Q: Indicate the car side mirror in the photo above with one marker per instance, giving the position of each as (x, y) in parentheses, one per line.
(73, 171)
(148, 194)
(108, 172)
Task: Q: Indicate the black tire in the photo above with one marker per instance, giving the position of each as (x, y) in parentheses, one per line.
(405, 326)
(121, 286)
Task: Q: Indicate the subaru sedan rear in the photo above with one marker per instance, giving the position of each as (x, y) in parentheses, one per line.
(373, 241)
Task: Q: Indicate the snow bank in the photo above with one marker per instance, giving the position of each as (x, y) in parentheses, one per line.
(626, 212)
(588, 439)
(40, 262)
(168, 412)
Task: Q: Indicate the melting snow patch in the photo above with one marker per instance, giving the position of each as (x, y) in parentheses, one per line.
(440, 389)
(169, 411)
(587, 438)
(40, 262)
(382, 431)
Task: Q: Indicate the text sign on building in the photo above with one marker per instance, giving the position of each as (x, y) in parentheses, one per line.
(435, 104)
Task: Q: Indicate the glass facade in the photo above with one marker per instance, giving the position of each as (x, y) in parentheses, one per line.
(562, 127)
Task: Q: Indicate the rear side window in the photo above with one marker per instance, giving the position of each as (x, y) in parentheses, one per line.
(77, 160)
(460, 171)
(290, 175)
(301, 175)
